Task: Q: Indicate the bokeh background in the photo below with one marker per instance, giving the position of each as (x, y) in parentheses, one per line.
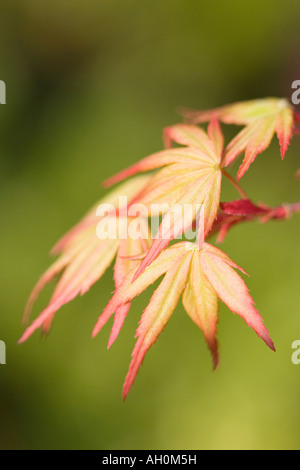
(90, 86)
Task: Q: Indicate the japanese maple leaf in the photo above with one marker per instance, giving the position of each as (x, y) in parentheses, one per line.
(188, 176)
(84, 257)
(261, 118)
(235, 212)
(244, 210)
(200, 275)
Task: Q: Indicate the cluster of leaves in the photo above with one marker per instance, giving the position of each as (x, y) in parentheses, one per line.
(190, 173)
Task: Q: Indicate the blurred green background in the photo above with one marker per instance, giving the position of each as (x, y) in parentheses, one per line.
(90, 86)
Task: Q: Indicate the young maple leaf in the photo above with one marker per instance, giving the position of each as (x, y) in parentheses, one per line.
(261, 118)
(189, 176)
(200, 276)
(244, 210)
(84, 258)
